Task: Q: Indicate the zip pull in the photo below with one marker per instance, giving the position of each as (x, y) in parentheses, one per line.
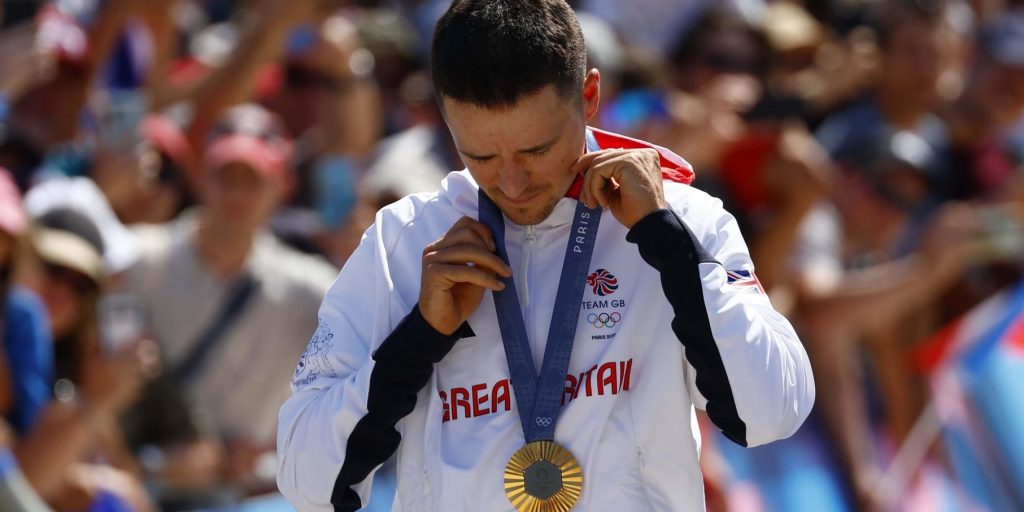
(529, 234)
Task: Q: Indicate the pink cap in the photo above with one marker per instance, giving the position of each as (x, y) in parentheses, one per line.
(61, 31)
(168, 138)
(12, 214)
(270, 158)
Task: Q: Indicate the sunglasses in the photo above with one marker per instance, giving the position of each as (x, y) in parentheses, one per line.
(80, 283)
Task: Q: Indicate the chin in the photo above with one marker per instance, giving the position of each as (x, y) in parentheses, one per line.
(529, 216)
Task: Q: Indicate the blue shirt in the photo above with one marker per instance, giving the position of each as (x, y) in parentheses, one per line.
(29, 350)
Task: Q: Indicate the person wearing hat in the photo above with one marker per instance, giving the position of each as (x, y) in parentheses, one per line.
(51, 435)
(87, 387)
(228, 303)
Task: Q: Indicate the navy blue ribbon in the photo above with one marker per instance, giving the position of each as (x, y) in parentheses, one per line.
(539, 398)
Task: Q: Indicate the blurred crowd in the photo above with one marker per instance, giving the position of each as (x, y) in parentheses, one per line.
(181, 180)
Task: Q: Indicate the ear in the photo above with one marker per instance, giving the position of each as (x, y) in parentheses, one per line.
(591, 93)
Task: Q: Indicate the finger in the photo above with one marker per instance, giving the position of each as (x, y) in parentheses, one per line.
(585, 160)
(465, 236)
(601, 178)
(597, 159)
(459, 274)
(602, 182)
(466, 254)
(478, 227)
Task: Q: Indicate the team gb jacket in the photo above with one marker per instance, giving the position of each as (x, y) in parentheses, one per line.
(672, 318)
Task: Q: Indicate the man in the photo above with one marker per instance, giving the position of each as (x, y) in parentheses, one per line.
(918, 51)
(226, 299)
(412, 357)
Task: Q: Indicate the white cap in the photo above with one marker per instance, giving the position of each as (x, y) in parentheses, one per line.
(82, 195)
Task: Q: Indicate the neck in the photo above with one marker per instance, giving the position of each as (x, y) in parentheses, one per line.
(223, 249)
(898, 111)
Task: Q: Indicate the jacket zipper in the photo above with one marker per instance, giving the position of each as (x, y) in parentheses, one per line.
(529, 237)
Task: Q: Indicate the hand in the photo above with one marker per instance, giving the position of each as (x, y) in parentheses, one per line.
(628, 181)
(950, 241)
(196, 464)
(286, 14)
(112, 382)
(83, 483)
(801, 172)
(27, 58)
(456, 270)
(242, 459)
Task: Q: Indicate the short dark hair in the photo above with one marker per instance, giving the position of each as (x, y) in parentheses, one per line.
(491, 53)
(888, 18)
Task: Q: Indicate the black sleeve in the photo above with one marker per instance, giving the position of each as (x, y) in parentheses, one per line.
(668, 245)
(404, 362)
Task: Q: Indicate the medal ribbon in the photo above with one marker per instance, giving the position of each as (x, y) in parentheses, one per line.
(539, 398)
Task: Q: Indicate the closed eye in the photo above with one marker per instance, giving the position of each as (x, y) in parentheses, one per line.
(477, 158)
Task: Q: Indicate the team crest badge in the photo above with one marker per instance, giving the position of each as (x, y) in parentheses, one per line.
(603, 282)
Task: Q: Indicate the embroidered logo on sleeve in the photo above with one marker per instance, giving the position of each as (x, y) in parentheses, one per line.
(315, 360)
(744, 279)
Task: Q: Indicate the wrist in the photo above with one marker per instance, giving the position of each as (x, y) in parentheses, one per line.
(415, 340)
(71, 396)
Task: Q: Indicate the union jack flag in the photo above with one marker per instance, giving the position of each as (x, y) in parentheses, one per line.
(744, 279)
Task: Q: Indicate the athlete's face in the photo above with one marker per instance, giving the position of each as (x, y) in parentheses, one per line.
(521, 155)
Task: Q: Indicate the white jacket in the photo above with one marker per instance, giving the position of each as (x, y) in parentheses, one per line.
(628, 413)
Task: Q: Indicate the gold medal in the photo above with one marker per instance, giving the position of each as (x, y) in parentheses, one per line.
(543, 477)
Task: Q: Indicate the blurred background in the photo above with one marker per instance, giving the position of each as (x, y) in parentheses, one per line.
(182, 179)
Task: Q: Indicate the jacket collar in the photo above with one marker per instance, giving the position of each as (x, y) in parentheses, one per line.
(461, 189)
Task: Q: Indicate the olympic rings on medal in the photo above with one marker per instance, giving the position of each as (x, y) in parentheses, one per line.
(600, 320)
(543, 422)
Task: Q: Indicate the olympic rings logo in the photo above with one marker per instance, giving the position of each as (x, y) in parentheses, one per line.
(600, 320)
(544, 422)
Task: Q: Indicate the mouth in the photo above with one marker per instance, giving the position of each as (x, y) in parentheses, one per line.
(523, 199)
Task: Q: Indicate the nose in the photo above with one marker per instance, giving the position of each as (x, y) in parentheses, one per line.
(513, 179)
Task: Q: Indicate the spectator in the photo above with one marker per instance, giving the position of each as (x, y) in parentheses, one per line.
(228, 303)
(987, 165)
(69, 278)
(56, 434)
(16, 495)
(916, 44)
(864, 264)
(28, 347)
(329, 102)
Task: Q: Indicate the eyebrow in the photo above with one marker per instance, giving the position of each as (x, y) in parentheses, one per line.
(533, 149)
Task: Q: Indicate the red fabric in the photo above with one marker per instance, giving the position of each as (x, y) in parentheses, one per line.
(267, 158)
(1016, 337)
(926, 357)
(673, 167)
(169, 139)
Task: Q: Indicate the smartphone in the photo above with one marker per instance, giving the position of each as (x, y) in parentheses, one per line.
(121, 320)
(120, 114)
